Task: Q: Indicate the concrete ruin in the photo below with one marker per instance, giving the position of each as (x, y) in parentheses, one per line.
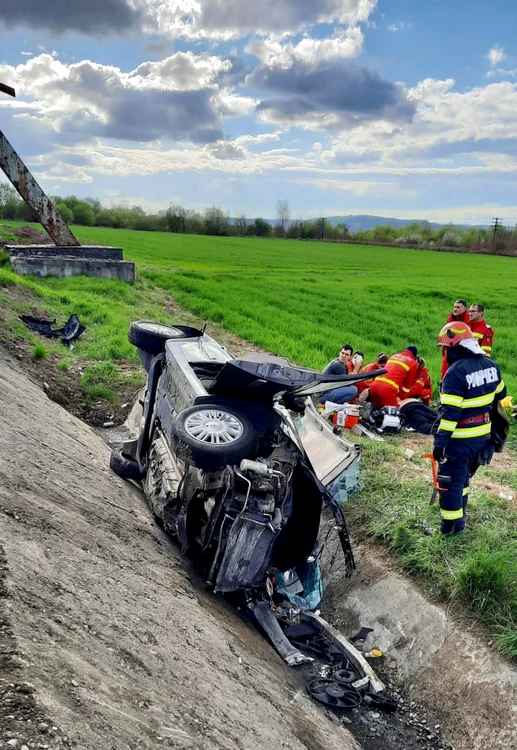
(66, 257)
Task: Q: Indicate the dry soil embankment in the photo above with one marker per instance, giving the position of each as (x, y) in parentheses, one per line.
(100, 615)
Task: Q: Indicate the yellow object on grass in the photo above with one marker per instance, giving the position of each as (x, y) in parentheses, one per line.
(507, 403)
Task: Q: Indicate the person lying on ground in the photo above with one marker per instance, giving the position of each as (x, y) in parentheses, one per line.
(422, 387)
(339, 366)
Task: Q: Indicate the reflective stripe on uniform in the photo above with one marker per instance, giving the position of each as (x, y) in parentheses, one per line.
(451, 515)
(472, 403)
(446, 425)
(500, 387)
(478, 335)
(398, 362)
(472, 432)
(386, 380)
(448, 399)
(465, 491)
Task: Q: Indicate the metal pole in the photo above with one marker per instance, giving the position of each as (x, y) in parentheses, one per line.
(7, 89)
(48, 215)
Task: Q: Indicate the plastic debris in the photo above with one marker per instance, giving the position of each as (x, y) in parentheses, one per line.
(71, 331)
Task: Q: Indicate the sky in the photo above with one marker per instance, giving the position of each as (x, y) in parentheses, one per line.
(385, 107)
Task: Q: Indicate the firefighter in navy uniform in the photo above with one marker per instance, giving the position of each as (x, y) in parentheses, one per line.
(469, 389)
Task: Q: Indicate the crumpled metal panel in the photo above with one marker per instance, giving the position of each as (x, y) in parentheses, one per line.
(48, 216)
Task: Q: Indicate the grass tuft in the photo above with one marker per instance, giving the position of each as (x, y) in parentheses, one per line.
(40, 351)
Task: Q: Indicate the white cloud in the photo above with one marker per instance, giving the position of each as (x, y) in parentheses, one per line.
(181, 97)
(27, 54)
(458, 127)
(394, 27)
(345, 44)
(232, 19)
(496, 55)
(361, 188)
(191, 19)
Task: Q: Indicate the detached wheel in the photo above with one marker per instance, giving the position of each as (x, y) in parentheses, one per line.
(212, 436)
(124, 465)
(151, 337)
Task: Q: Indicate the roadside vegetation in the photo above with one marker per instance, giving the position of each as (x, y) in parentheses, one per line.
(477, 569)
(213, 221)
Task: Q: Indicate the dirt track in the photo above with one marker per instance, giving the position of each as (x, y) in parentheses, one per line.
(119, 644)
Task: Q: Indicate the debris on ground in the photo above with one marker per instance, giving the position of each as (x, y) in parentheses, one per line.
(71, 331)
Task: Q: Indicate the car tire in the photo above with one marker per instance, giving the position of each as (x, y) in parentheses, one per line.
(196, 429)
(125, 465)
(151, 337)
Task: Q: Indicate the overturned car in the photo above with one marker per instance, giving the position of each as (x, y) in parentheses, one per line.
(236, 464)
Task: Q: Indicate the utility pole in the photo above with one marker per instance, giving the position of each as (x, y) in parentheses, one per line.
(496, 226)
(321, 225)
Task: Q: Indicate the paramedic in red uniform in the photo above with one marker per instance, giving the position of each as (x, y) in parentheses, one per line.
(396, 384)
(460, 313)
(422, 387)
(483, 333)
(364, 387)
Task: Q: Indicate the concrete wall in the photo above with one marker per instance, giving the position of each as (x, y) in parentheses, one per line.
(65, 267)
(96, 252)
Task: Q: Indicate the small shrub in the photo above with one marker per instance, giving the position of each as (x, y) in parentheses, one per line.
(40, 352)
(451, 239)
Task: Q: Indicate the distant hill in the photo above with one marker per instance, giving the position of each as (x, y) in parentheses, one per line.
(363, 222)
(360, 222)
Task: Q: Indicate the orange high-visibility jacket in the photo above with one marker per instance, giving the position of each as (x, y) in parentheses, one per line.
(402, 372)
(484, 333)
(422, 387)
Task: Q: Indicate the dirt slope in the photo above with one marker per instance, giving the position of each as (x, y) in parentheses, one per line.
(121, 646)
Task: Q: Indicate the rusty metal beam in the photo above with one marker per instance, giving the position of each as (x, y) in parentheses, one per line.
(48, 215)
(4, 88)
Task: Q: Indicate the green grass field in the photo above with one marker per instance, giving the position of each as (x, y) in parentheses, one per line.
(304, 300)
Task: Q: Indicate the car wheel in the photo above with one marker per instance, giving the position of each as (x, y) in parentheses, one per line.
(211, 436)
(151, 337)
(125, 465)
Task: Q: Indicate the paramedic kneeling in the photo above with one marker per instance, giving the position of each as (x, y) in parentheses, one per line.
(471, 385)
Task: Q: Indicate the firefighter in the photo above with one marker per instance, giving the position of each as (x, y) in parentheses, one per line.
(460, 312)
(396, 384)
(422, 387)
(483, 332)
(471, 386)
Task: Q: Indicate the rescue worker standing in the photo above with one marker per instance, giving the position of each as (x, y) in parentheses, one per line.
(468, 391)
(483, 332)
(460, 313)
(402, 371)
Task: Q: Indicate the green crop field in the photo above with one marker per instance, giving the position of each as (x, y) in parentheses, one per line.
(305, 299)
(299, 299)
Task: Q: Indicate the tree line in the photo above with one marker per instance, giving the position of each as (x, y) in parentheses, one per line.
(214, 221)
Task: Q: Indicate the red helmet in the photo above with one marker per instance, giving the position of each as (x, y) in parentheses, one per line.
(452, 333)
